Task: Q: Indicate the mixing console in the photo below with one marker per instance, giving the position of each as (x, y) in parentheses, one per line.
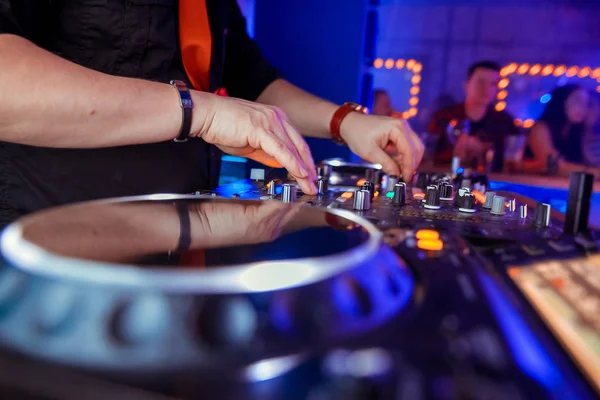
(375, 288)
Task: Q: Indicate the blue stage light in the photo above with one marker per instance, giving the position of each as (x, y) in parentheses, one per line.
(545, 98)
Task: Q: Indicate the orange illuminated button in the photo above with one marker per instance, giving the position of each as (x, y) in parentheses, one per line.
(427, 234)
(430, 244)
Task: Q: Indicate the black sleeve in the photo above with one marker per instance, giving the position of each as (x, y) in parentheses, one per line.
(8, 23)
(246, 72)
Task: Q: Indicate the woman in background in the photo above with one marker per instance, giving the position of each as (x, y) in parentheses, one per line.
(556, 139)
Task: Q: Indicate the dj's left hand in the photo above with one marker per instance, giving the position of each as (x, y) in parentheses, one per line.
(383, 140)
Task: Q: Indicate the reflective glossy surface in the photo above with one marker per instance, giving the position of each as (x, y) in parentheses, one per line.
(290, 244)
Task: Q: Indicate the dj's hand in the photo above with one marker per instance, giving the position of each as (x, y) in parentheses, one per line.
(383, 140)
(259, 132)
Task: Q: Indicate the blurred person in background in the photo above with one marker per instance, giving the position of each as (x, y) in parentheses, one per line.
(591, 136)
(382, 105)
(487, 128)
(556, 140)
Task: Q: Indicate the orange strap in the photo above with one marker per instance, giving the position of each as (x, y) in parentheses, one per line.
(196, 42)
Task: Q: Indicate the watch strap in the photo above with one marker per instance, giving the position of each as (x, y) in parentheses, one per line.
(338, 117)
(187, 106)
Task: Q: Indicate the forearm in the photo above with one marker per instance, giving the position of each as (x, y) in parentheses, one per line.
(48, 101)
(309, 114)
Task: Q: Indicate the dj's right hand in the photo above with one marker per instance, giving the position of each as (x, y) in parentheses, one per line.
(256, 131)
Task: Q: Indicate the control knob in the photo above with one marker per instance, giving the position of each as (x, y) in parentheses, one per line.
(422, 181)
(391, 182)
(322, 186)
(581, 186)
(362, 200)
(467, 203)
(542, 215)
(446, 191)
(370, 187)
(432, 198)
(271, 188)
(462, 192)
(498, 205)
(523, 211)
(489, 199)
(289, 193)
(399, 198)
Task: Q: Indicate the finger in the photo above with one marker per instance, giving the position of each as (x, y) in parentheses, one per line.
(276, 148)
(389, 166)
(404, 147)
(301, 147)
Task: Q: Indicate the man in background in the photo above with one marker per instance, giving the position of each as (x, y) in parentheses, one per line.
(484, 128)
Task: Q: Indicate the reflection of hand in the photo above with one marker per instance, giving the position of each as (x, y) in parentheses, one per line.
(383, 140)
(227, 224)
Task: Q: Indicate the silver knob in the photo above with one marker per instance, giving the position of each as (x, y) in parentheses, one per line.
(523, 211)
(489, 198)
(542, 215)
(271, 188)
(322, 186)
(362, 200)
(289, 193)
(498, 205)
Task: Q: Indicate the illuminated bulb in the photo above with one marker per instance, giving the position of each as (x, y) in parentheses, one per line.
(560, 70)
(535, 70)
(596, 73)
(518, 122)
(378, 63)
(415, 80)
(584, 72)
(523, 69)
(502, 95)
(413, 101)
(410, 64)
(598, 89)
(413, 111)
(503, 83)
(415, 90)
(571, 72)
(511, 68)
(400, 64)
(504, 72)
(406, 115)
(547, 70)
(389, 63)
(500, 106)
(528, 123)
(417, 68)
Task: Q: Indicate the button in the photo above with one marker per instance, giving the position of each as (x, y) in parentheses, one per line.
(533, 250)
(430, 244)
(427, 234)
(561, 247)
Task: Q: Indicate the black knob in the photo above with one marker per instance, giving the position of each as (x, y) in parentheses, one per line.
(542, 215)
(370, 187)
(581, 187)
(467, 203)
(462, 192)
(422, 180)
(446, 191)
(432, 198)
(399, 198)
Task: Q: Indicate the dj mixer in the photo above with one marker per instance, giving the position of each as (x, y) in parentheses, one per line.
(372, 289)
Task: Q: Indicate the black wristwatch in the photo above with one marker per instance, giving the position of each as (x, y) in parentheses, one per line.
(187, 105)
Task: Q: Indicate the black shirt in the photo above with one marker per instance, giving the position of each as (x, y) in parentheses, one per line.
(132, 38)
(492, 128)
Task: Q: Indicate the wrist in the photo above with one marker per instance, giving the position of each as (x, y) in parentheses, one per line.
(203, 104)
(339, 117)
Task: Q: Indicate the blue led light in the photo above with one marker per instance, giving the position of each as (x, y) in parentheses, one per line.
(460, 170)
(545, 98)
